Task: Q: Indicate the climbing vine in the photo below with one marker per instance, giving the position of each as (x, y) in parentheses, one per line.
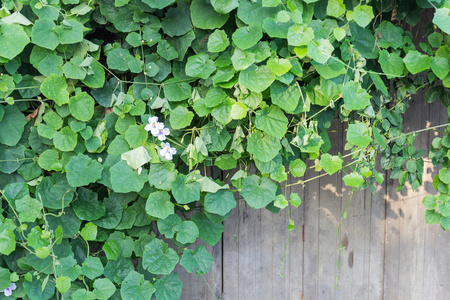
(118, 117)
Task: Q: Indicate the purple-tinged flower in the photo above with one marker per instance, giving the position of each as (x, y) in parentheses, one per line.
(167, 151)
(153, 125)
(8, 291)
(161, 133)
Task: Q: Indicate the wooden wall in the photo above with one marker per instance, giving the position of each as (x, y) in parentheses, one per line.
(389, 251)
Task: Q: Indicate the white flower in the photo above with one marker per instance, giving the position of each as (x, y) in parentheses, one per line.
(153, 125)
(8, 291)
(167, 151)
(161, 133)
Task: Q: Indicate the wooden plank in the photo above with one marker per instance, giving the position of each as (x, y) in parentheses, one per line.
(329, 215)
(311, 241)
(279, 233)
(296, 245)
(377, 242)
(231, 254)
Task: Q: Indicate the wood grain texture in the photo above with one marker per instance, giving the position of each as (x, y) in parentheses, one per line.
(389, 252)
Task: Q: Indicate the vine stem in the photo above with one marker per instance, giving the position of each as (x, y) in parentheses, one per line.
(209, 287)
(359, 150)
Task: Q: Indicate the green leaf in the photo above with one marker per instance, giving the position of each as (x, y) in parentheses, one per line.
(272, 121)
(12, 125)
(11, 158)
(136, 136)
(285, 96)
(214, 97)
(335, 8)
(300, 35)
(358, 134)
(256, 79)
(391, 35)
(82, 106)
(295, 200)
(279, 66)
(89, 231)
(444, 175)
(159, 205)
(297, 167)
(200, 260)
(53, 190)
(96, 75)
(363, 15)
(44, 35)
(124, 179)
(13, 40)
(355, 97)
(441, 19)
(263, 148)
(87, 207)
(168, 287)
(159, 258)
(391, 64)
(354, 180)
(55, 87)
(320, 50)
(432, 217)
(280, 201)
(247, 36)
(258, 192)
(81, 170)
(180, 117)
(184, 191)
(204, 16)
(170, 225)
(63, 284)
(440, 66)
(158, 4)
(177, 91)
(254, 13)
(200, 65)
(37, 290)
(242, 59)
(73, 70)
(416, 62)
(92, 267)
(103, 288)
(218, 41)
(188, 232)
(29, 209)
(331, 163)
(162, 175)
(209, 231)
(224, 6)
(135, 286)
(7, 242)
(176, 22)
(221, 202)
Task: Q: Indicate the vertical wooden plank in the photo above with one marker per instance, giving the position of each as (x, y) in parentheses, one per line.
(311, 244)
(231, 254)
(279, 234)
(296, 245)
(377, 242)
(264, 262)
(329, 217)
(248, 237)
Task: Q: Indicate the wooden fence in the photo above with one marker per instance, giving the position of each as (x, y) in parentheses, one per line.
(389, 251)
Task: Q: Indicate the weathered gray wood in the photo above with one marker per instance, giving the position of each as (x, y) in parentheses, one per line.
(389, 251)
(296, 246)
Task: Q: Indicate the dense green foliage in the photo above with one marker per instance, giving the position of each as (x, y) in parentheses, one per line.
(114, 112)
